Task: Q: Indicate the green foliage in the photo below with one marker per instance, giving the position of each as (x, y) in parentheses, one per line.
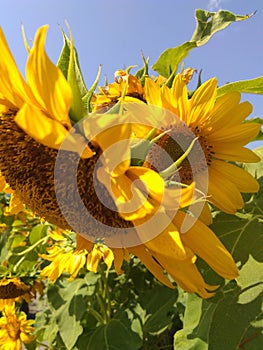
(207, 24)
(233, 318)
(252, 86)
(136, 314)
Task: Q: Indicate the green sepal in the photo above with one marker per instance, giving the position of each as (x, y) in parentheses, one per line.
(86, 99)
(69, 64)
(143, 72)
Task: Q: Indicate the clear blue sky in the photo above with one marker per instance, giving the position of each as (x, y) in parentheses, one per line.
(113, 33)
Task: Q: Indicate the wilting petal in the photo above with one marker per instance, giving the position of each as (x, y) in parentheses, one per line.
(151, 264)
(204, 243)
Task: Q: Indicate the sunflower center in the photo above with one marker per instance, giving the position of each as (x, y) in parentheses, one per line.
(173, 144)
(29, 166)
(11, 290)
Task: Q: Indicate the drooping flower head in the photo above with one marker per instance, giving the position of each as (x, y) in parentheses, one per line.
(85, 178)
(15, 329)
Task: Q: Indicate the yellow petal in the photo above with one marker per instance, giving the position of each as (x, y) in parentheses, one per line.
(12, 85)
(244, 181)
(50, 87)
(130, 201)
(152, 93)
(119, 255)
(178, 197)
(50, 132)
(179, 91)
(224, 193)
(234, 152)
(202, 102)
(15, 205)
(167, 243)
(151, 179)
(241, 134)
(113, 138)
(204, 243)
(83, 244)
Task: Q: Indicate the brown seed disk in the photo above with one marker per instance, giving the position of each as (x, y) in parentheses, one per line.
(171, 146)
(28, 167)
(11, 290)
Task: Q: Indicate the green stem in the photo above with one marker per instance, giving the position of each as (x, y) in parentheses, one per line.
(96, 315)
(32, 247)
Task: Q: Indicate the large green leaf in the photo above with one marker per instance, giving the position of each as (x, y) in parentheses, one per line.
(233, 318)
(169, 60)
(256, 169)
(252, 86)
(158, 304)
(114, 336)
(207, 24)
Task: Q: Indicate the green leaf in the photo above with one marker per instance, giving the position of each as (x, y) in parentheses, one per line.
(256, 169)
(252, 86)
(208, 23)
(168, 62)
(38, 232)
(158, 303)
(250, 280)
(114, 336)
(232, 319)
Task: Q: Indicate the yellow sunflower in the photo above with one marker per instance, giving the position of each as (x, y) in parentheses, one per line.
(95, 189)
(222, 135)
(14, 289)
(15, 329)
(108, 95)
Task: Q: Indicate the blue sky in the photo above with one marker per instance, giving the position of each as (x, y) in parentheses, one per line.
(114, 32)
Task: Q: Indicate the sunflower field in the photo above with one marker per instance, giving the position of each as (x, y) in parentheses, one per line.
(131, 212)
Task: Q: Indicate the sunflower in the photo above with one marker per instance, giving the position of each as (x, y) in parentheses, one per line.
(15, 329)
(14, 289)
(109, 95)
(222, 135)
(94, 188)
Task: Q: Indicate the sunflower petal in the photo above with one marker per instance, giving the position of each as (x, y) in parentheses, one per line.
(179, 91)
(228, 200)
(202, 102)
(207, 246)
(50, 87)
(155, 268)
(236, 153)
(12, 85)
(244, 181)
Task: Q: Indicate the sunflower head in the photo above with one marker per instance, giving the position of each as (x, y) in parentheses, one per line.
(15, 329)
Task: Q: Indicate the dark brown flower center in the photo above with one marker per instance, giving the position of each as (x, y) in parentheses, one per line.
(28, 167)
(173, 144)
